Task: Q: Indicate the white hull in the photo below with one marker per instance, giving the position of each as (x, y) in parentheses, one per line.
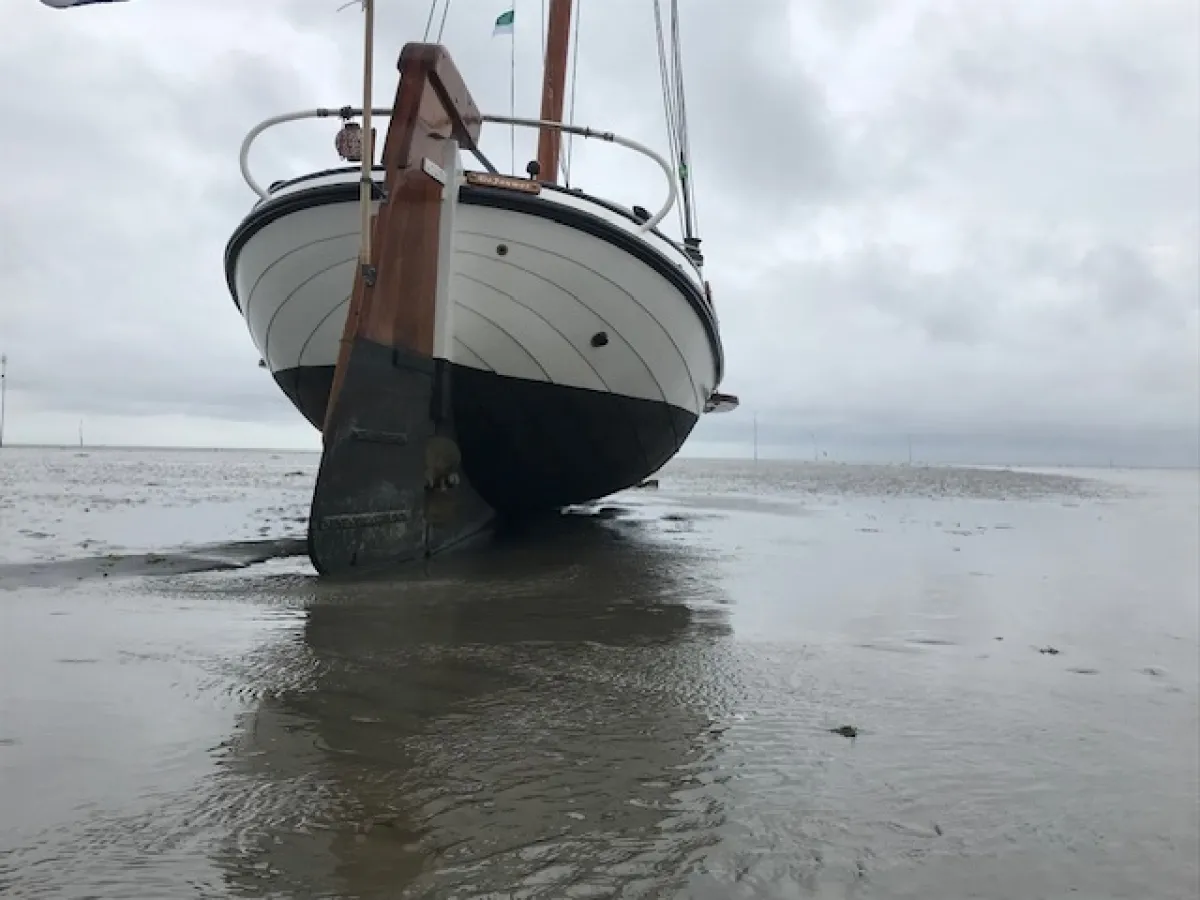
(531, 295)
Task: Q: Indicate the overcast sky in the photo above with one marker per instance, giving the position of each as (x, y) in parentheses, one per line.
(976, 223)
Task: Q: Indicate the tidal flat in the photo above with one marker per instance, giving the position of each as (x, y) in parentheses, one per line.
(775, 680)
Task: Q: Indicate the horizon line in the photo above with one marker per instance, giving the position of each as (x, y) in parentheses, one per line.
(803, 460)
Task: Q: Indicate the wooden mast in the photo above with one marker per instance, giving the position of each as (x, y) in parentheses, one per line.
(554, 81)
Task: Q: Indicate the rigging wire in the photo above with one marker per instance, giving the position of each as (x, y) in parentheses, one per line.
(429, 21)
(567, 156)
(685, 157)
(668, 106)
(433, 7)
(442, 25)
(670, 64)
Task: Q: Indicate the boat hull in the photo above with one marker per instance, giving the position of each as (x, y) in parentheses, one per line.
(582, 355)
(530, 445)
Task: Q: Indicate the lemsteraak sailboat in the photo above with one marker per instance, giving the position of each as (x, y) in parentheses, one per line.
(470, 344)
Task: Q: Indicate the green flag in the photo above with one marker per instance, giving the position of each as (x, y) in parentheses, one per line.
(504, 23)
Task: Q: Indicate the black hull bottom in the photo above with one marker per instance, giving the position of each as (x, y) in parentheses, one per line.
(529, 446)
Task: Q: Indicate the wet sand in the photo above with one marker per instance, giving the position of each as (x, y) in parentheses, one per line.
(636, 700)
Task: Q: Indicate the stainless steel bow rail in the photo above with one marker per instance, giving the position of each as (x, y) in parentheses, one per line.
(349, 112)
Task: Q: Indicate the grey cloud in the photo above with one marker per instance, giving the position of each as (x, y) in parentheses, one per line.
(1124, 286)
(1066, 97)
(849, 16)
(118, 303)
(759, 116)
(984, 345)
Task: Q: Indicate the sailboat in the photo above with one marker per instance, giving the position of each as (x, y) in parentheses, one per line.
(471, 344)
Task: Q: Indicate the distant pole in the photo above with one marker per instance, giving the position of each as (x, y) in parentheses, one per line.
(816, 451)
(3, 392)
(909, 449)
(756, 438)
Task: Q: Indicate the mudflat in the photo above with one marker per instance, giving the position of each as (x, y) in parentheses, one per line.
(772, 680)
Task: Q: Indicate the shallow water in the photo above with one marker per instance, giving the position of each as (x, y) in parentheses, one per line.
(633, 701)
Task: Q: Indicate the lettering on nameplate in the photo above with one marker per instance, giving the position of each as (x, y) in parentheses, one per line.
(505, 182)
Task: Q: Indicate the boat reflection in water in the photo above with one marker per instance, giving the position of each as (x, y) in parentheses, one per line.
(530, 719)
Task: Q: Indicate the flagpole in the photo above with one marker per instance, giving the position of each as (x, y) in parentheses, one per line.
(368, 148)
(3, 392)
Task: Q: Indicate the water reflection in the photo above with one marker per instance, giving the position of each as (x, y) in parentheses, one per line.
(536, 720)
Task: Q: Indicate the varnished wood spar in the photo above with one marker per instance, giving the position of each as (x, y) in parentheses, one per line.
(397, 309)
(554, 82)
(392, 486)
